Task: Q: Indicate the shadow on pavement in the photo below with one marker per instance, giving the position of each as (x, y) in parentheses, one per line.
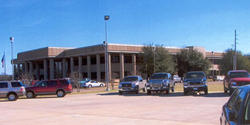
(175, 94)
(42, 97)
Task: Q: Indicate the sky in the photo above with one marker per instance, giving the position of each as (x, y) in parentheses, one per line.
(78, 23)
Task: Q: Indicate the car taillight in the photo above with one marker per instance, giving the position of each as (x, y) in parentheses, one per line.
(69, 86)
(22, 89)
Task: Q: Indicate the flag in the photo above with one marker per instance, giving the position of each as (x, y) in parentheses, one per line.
(3, 60)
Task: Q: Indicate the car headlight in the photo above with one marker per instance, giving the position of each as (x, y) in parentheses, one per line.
(120, 86)
(185, 83)
(234, 83)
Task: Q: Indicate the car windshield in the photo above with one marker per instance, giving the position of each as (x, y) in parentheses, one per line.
(159, 76)
(238, 74)
(194, 75)
(37, 83)
(130, 79)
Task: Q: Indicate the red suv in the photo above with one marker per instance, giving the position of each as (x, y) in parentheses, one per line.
(49, 87)
(231, 79)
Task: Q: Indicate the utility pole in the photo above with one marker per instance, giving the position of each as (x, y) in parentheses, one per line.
(12, 63)
(235, 52)
(106, 18)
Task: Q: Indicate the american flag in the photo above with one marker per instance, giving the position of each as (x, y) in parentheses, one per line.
(3, 60)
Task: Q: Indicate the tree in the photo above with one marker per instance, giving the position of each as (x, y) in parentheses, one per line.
(163, 60)
(243, 62)
(191, 60)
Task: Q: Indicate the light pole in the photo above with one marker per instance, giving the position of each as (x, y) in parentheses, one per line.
(106, 18)
(11, 43)
(154, 48)
(213, 64)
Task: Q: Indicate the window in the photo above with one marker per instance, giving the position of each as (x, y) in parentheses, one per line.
(16, 84)
(233, 98)
(93, 75)
(239, 100)
(102, 60)
(93, 60)
(52, 83)
(128, 59)
(115, 59)
(4, 85)
(247, 111)
(43, 84)
(84, 61)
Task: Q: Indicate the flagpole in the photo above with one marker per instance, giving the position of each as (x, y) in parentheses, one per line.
(4, 64)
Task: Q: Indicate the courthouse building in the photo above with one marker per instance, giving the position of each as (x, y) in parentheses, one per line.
(89, 62)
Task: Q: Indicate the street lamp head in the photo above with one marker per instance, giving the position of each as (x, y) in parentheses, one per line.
(11, 38)
(106, 17)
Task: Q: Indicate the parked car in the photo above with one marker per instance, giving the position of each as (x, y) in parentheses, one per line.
(92, 83)
(237, 110)
(160, 82)
(228, 86)
(195, 81)
(49, 87)
(11, 90)
(177, 79)
(83, 82)
(132, 84)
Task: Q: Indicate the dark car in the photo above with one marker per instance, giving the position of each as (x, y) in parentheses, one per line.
(49, 87)
(195, 81)
(231, 75)
(237, 110)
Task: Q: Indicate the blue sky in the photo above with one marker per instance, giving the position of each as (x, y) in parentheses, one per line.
(78, 23)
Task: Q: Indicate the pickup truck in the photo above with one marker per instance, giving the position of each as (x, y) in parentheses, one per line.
(160, 82)
(195, 81)
(230, 81)
(132, 84)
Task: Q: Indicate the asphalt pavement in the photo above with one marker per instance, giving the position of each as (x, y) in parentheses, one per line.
(114, 109)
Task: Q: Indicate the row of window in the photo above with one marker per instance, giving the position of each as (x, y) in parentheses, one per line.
(13, 84)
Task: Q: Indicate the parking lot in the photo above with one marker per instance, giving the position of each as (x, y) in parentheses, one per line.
(111, 108)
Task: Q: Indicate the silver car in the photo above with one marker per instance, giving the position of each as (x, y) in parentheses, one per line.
(11, 90)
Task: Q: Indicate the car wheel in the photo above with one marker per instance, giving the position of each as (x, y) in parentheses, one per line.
(137, 91)
(225, 90)
(185, 92)
(148, 92)
(30, 95)
(206, 92)
(89, 86)
(60, 93)
(167, 91)
(172, 89)
(12, 97)
(101, 85)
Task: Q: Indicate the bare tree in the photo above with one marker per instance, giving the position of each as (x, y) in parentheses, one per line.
(26, 78)
(76, 81)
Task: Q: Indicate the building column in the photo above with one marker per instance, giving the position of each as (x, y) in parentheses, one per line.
(110, 67)
(45, 69)
(15, 71)
(18, 70)
(51, 69)
(71, 66)
(88, 66)
(121, 66)
(64, 67)
(134, 64)
(31, 68)
(37, 71)
(80, 67)
(98, 72)
(25, 68)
